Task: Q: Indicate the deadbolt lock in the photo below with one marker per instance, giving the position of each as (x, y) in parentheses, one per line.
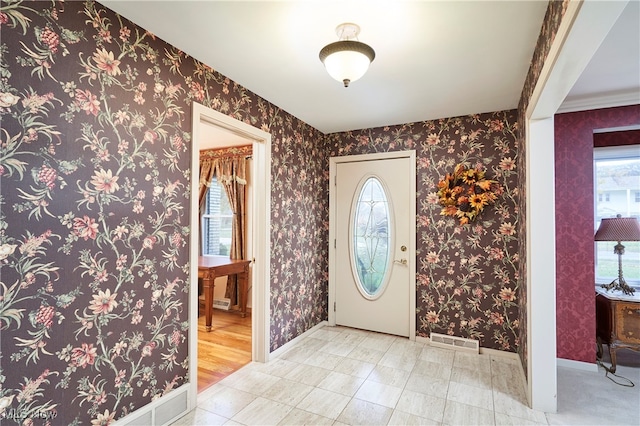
(403, 248)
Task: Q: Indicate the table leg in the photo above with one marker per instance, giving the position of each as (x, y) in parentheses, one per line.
(612, 354)
(207, 286)
(243, 278)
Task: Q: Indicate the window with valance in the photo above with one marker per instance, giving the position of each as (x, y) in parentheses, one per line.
(222, 197)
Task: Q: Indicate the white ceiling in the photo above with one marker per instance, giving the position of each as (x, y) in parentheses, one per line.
(612, 77)
(212, 136)
(434, 59)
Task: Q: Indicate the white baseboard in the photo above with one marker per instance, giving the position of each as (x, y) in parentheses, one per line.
(497, 352)
(420, 339)
(577, 365)
(282, 349)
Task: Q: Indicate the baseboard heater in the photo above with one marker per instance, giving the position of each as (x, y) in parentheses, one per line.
(454, 342)
(223, 304)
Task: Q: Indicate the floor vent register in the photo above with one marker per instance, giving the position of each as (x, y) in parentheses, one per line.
(454, 342)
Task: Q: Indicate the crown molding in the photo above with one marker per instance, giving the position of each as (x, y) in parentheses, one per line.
(605, 100)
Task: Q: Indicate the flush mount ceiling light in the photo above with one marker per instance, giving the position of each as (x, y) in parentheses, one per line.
(348, 59)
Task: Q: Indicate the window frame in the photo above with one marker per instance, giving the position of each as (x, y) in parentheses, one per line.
(620, 152)
(206, 215)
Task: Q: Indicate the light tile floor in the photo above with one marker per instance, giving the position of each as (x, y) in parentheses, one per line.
(587, 398)
(342, 376)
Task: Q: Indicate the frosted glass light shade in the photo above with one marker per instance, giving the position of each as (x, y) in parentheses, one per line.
(347, 60)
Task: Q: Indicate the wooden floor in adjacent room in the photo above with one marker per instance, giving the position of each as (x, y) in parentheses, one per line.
(224, 349)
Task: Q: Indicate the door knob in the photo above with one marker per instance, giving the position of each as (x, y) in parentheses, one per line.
(401, 261)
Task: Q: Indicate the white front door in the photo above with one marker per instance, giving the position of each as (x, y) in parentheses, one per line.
(374, 245)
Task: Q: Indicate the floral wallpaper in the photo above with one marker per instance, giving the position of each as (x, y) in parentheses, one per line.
(94, 232)
(94, 190)
(575, 268)
(299, 234)
(550, 25)
(467, 275)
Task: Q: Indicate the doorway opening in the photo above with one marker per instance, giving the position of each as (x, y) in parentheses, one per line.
(210, 124)
(582, 30)
(224, 330)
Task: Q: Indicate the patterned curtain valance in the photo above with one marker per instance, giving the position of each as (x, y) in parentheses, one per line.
(234, 151)
(230, 170)
(227, 164)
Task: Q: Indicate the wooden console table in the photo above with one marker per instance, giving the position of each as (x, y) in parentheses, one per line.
(211, 267)
(617, 322)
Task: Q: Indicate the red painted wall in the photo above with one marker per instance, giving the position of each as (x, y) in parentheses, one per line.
(575, 301)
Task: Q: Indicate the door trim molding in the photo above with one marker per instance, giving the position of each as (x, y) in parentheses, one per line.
(261, 241)
(333, 164)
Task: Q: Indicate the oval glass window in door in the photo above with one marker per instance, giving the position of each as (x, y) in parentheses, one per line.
(370, 239)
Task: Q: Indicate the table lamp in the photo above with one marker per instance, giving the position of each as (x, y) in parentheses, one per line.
(618, 229)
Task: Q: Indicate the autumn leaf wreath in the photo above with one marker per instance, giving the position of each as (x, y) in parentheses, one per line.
(465, 193)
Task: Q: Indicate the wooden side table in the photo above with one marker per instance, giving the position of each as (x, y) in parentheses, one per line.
(211, 267)
(617, 322)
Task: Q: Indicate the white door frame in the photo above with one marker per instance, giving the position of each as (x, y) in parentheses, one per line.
(583, 28)
(333, 164)
(261, 222)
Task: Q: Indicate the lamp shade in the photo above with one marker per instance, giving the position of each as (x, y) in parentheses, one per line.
(618, 229)
(347, 60)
